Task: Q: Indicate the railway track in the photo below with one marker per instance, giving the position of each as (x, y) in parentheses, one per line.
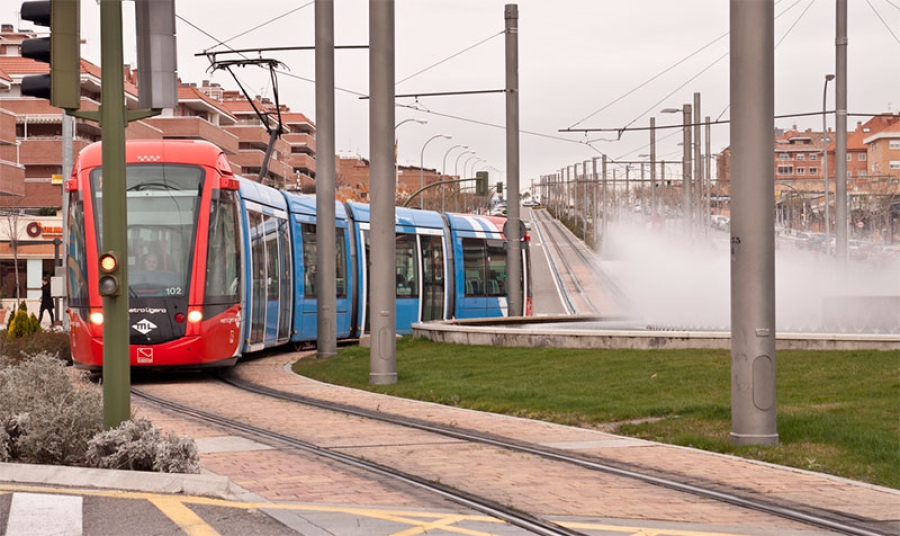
(491, 506)
(584, 286)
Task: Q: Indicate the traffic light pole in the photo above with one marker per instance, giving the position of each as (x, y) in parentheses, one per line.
(113, 118)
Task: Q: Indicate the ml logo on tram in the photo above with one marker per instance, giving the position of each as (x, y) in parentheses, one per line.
(144, 326)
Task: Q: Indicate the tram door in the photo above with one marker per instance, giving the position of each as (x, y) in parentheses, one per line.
(433, 292)
(271, 279)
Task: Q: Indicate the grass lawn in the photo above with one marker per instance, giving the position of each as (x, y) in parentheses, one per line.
(838, 411)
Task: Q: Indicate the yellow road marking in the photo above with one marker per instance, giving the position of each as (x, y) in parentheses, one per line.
(174, 507)
(445, 523)
(184, 517)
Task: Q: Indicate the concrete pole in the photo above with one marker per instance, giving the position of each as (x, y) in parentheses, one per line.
(382, 281)
(653, 205)
(828, 78)
(686, 210)
(840, 133)
(662, 185)
(584, 197)
(708, 176)
(594, 212)
(605, 199)
(699, 224)
(116, 351)
(326, 234)
(752, 90)
(514, 235)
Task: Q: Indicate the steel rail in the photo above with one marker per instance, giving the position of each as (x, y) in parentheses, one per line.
(471, 435)
(510, 515)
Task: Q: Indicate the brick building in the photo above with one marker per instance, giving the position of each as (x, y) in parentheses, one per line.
(873, 174)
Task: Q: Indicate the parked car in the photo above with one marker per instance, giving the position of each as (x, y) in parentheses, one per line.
(885, 256)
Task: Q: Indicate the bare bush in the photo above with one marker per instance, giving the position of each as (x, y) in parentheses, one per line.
(138, 445)
(47, 418)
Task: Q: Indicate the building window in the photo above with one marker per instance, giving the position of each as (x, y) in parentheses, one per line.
(801, 156)
(785, 170)
(849, 157)
(784, 156)
(813, 171)
(801, 171)
(861, 157)
(861, 173)
(813, 156)
(895, 164)
(894, 144)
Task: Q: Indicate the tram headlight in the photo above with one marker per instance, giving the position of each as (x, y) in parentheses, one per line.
(97, 318)
(195, 316)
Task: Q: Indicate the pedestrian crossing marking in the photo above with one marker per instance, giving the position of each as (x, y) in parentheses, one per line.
(37, 514)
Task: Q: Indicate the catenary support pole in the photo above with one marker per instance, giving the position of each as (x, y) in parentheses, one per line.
(840, 134)
(326, 234)
(752, 89)
(513, 229)
(382, 282)
(686, 209)
(698, 171)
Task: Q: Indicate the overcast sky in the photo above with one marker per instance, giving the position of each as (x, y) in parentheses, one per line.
(582, 64)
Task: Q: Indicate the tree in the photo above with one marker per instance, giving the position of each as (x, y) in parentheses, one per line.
(11, 214)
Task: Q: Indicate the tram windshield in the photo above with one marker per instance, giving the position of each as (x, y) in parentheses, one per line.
(163, 201)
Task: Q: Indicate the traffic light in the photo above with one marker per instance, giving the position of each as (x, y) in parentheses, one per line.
(62, 50)
(109, 274)
(500, 189)
(481, 178)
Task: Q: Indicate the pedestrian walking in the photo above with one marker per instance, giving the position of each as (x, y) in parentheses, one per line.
(46, 301)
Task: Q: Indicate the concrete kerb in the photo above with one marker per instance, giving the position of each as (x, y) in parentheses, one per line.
(205, 485)
(504, 332)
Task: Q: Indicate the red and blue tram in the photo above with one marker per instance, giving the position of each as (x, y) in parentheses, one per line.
(219, 266)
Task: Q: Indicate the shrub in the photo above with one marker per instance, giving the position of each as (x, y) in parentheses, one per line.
(45, 417)
(21, 324)
(137, 445)
(52, 342)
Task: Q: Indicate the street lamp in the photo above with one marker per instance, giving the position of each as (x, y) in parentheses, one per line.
(828, 78)
(419, 121)
(456, 173)
(422, 167)
(397, 164)
(444, 170)
(456, 164)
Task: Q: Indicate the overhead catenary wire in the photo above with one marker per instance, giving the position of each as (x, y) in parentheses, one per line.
(877, 14)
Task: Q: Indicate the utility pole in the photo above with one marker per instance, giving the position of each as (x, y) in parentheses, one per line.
(686, 210)
(752, 89)
(326, 234)
(514, 228)
(382, 283)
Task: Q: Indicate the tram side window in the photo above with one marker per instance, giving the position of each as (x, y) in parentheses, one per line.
(484, 263)
(309, 262)
(496, 268)
(474, 261)
(406, 266)
(77, 261)
(223, 253)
